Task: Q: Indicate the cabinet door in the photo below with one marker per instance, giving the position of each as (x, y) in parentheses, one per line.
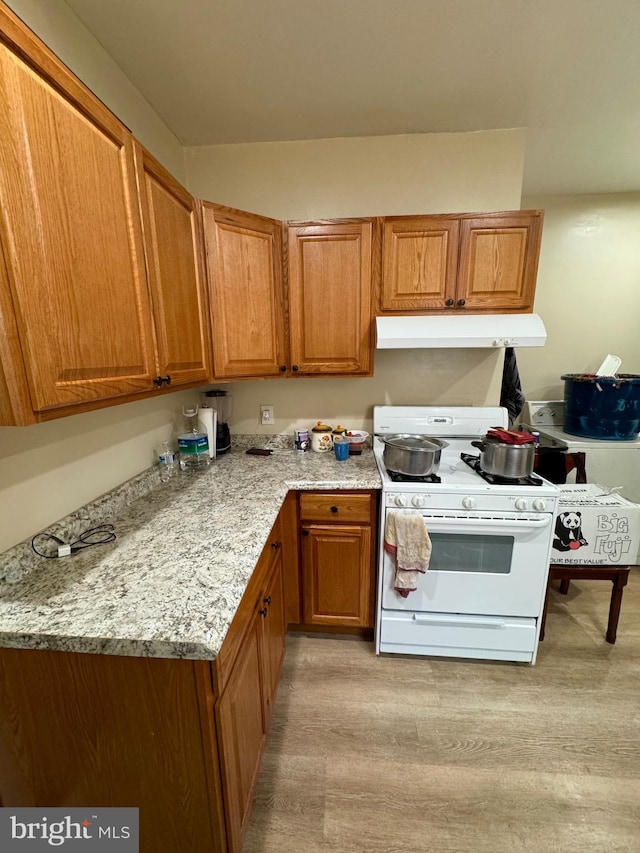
(419, 263)
(241, 728)
(273, 632)
(330, 283)
(336, 568)
(175, 271)
(499, 261)
(71, 232)
(244, 261)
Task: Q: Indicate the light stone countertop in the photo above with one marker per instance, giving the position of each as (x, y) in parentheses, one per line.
(171, 583)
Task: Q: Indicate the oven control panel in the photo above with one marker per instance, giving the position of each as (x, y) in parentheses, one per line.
(471, 503)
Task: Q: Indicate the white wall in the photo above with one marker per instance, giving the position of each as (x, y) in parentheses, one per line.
(363, 176)
(60, 29)
(48, 470)
(588, 290)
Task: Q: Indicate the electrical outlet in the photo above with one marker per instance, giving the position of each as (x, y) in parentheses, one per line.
(266, 415)
(545, 412)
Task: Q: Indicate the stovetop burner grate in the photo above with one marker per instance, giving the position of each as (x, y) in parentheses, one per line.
(406, 478)
(474, 462)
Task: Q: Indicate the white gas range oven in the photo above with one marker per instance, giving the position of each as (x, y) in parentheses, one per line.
(483, 593)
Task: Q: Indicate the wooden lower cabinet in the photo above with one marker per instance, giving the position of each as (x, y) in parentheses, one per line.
(337, 556)
(101, 730)
(241, 724)
(179, 739)
(248, 687)
(336, 575)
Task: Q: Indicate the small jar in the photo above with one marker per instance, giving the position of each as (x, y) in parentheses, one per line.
(339, 430)
(321, 438)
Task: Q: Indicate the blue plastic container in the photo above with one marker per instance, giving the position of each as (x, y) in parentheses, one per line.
(602, 407)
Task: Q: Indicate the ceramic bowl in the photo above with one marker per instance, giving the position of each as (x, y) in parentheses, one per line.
(357, 439)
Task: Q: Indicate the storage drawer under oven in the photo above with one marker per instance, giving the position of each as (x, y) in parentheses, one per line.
(458, 635)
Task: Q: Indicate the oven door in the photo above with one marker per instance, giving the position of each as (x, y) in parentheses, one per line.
(493, 565)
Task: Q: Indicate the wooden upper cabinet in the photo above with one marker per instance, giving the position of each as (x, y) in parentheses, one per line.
(244, 261)
(74, 273)
(420, 256)
(330, 269)
(479, 263)
(175, 269)
(499, 261)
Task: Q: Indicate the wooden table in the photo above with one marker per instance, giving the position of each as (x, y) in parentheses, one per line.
(618, 575)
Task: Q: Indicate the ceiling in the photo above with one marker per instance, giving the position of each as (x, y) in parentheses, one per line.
(225, 71)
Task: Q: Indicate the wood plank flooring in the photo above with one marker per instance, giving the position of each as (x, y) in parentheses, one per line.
(374, 754)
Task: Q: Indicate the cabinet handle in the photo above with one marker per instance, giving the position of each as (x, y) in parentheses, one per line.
(263, 613)
(158, 381)
(295, 368)
(267, 600)
(167, 379)
(283, 368)
(276, 544)
(461, 302)
(449, 303)
(334, 509)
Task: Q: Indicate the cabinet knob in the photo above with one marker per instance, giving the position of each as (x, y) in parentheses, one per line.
(167, 379)
(158, 381)
(276, 544)
(295, 368)
(449, 303)
(267, 600)
(461, 302)
(283, 368)
(305, 532)
(334, 509)
(263, 613)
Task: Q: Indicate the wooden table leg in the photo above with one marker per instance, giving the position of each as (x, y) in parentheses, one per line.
(619, 584)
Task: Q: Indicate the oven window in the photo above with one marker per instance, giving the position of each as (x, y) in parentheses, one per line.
(469, 552)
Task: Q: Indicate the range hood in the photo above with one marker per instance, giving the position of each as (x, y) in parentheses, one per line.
(461, 330)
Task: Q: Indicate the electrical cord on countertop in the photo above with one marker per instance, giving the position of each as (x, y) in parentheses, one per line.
(99, 535)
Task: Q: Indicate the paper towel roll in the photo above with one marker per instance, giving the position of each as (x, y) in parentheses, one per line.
(209, 421)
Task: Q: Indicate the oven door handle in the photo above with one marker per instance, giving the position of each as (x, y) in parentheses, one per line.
(469, 622)
(489, 525)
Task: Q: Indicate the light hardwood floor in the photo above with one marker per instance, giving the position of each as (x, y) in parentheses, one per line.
(378, 755)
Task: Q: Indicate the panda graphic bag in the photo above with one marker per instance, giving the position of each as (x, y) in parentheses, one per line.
(595, 527)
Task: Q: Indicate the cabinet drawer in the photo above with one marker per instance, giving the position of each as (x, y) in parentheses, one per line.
(332, 506)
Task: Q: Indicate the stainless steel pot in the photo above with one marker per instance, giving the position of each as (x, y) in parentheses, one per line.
(412, 455)
(511, 461)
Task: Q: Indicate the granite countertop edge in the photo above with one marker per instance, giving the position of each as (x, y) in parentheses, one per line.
(171, 583)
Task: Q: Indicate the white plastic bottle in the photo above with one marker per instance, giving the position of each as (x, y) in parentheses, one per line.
(193, 445)
(168, 462)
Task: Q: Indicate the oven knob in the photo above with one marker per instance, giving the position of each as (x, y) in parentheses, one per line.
(400, 500)
(539, 505)
(521, 504)
(417, 500)
(468, 503)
